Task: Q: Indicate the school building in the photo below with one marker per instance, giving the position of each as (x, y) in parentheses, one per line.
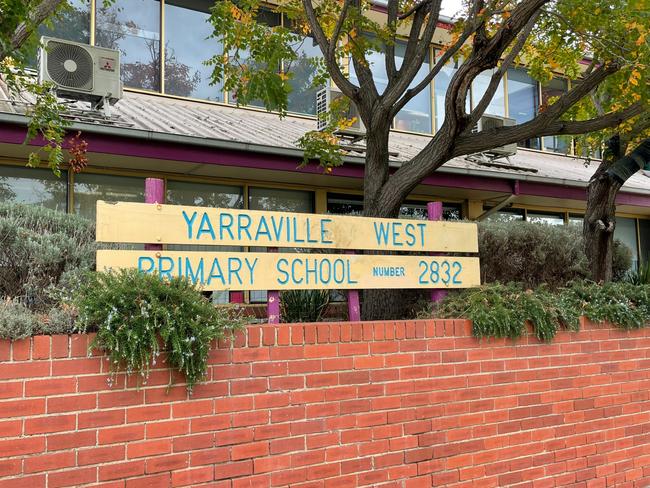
(172, 124)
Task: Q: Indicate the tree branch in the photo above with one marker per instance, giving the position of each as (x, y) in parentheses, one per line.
(389, 48)
(341, 81)
(22, 32)
(540, 127)
(496, 78)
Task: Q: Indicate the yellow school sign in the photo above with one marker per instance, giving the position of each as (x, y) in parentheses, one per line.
(171, 224)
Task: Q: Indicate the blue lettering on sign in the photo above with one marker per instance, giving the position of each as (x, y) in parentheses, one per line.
(205, 227)
(277, 227)
(195, 276)
(251, 269)
(390, 233)
(313, 271)
(225, 226)
(388, 271)
(280, 267)
(409, 230)
(243, 223)
(324, 231)
(381, 232)
(144, 259)
(189, 222)
(262, 229)
(216, 273)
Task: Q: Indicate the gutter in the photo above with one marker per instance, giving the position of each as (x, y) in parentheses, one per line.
(160, 137)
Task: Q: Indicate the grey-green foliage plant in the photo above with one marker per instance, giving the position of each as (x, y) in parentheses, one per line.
(39, 248)
(639, 276)
(16, 320)
(137, 316)
(534, 254)
(304, 305)
(499, 310)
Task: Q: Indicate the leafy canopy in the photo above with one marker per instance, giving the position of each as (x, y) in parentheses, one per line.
(565, 33)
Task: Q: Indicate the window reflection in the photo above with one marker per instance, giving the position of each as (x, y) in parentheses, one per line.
(416, 114)
(555, 88)
(523, 100)
(33, 186)
(545, 218)
(185, 73)
(479, 87)
(625, 231)
(132, 27)
(88, 188)
(71, 23)
(441, 84)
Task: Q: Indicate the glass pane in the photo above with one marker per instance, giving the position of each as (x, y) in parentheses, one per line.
(625, 231)
(302, 98)
(507, 214)
(416, 115)
(340, 204)
(644, 237)
(71, 24)
(545, 218)
(133, 27)
(89, 188)
(33, 186)
(550, 91)
(185, 73)
(205, 195)
(279, 200)
(377, 63)
(441, 83)
(523, 100)
(576, 220)
(497, 105)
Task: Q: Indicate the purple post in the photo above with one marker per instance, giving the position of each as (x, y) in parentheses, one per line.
(154, 192)
(434, 212)
(354, 308)
(273, 300)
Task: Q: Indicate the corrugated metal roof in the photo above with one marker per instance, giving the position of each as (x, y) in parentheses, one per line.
(195, 119)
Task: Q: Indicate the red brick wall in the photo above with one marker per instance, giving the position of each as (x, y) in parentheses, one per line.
(334, 405)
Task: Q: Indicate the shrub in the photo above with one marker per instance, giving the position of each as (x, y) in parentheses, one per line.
(16, 320)
(37, 247)
(533, 254)
(304, 305)
(132, 311)
(640, 276)
(498, 310)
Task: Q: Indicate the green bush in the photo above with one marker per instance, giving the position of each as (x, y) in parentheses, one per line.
(132, 311)
(534, 254)
(16, 320)
(38, 247)
(498, 310)
(304, 305)
(640, 276)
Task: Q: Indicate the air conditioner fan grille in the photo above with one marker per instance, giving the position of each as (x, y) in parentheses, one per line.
(70, 66)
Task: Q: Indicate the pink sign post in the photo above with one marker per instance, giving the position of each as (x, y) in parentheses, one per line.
(154, 192)
(354, 307)
(434, 212)
(273, 300)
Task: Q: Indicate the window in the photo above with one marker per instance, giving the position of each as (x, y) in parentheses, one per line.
(33, 186)
(625, 231)
(88, 188)
(133, 27)
(555, 88)
(644, 239)
(577, 220)
(340, 204)
(280, 200)
(416, 114)
(545, 218)
(205, 195)
(507, 214)
(480, 84)
(185, 73)
(441, 83)
(523, 100)
(71, 24)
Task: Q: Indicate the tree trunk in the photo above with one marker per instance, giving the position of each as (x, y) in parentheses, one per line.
(599, 224)
(600, 221)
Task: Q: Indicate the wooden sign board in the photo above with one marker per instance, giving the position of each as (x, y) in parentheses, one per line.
(177, 224)
(296, 271)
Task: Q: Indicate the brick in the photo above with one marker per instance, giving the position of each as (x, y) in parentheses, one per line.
(73, 477)
(126, 433)
(21, 408)
(31, 369)
(51, 423)
(116, 471)
(34, 481)
(100, 418)
(193, 476)
(232, 470)
(167, 463)
(161, 480)
(244, 451)
(71, 440)
(49, 462)
(167, 428)
(41, 347)
(100, 455)
(120, 398)
(71, 403)
(193, 409)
